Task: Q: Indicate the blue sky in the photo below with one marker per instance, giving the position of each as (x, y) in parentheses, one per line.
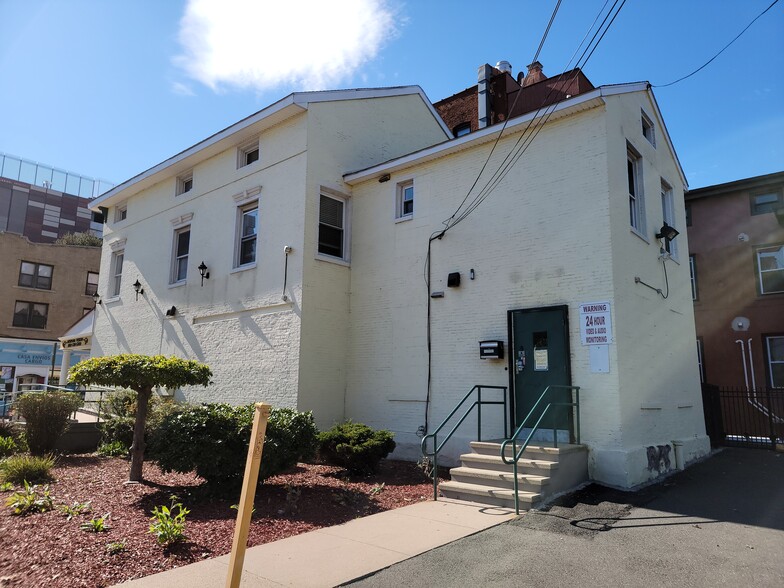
(108, 89)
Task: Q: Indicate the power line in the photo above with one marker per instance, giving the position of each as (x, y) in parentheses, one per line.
(704, 65)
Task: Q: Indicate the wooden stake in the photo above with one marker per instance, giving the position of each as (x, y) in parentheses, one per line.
(242, 526)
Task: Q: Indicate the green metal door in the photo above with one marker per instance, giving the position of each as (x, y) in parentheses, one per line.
(539, 358)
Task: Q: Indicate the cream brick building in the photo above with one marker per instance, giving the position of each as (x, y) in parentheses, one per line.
(313, 219)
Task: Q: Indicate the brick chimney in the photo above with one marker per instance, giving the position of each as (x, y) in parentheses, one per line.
(535, 74)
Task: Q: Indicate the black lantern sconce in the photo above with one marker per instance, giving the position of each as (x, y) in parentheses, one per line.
(667, 232)
(137, 287)
(97, 299)
(205, 275)
(171, 312)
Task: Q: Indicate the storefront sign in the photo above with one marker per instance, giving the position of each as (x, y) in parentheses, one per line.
(75, 342)
(595, 323)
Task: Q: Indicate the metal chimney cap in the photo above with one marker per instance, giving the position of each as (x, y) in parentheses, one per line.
(504, 66)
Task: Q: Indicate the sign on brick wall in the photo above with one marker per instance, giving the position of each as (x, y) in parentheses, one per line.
(595, 323)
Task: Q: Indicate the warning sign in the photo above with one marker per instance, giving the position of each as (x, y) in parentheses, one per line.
(595, 323)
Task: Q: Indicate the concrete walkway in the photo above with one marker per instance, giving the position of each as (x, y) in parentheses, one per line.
(339, 554)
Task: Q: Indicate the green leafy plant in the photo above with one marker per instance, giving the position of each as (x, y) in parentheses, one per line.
(113, 449)
(75, 509)
(6, 487)
(355, 446)
(169, 528)
(140, 373)
(377, 489)
(81, 239)
(7, 446)
(46, 415)
(96, 525)
(30, 500)
(23, 467)
(213, 440)
(115, 547)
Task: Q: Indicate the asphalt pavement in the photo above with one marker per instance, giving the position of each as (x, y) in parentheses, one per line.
(718, 523)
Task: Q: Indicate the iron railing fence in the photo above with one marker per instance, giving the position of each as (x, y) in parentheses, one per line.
(743, 417)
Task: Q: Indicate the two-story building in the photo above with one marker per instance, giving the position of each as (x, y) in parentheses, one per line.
(297, 252)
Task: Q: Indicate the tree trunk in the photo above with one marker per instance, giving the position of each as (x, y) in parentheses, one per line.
(137, 449)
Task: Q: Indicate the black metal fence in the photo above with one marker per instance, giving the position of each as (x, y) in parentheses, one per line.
(744, 418)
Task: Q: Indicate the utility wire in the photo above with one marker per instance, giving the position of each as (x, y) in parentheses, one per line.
(704, 65)
(547, 30)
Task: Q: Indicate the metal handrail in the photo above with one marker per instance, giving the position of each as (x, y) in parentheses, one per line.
(478, 404)
(517, 454)
(48, 387)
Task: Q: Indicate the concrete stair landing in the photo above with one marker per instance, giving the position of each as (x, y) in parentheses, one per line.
(542, 471)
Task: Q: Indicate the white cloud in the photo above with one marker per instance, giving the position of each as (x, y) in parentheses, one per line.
(263, 44)
(182, 89)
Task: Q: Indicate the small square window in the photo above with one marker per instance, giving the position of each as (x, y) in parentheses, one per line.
(182, 244)
(765, 202)
(120, 213)
(184, 183)
(248, 154)
(332, 227)
(247, 234)
(35, 275)
(405, 199)
(462, 129)
(91, 288)
(647, 129)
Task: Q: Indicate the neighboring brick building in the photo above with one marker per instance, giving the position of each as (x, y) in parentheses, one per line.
(496, 93)
(736, 254)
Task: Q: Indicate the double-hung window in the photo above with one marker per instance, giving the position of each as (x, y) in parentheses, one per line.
(636, 196)
(91, 288)
(182, 243)
(775, 355)
(35, 275)
(117, 267)
(405, 200)
(668, 216)
(770, 267)
(30, 315)
(247, 235)
(332, 227)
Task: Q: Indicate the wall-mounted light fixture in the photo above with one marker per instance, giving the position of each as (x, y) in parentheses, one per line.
(171, 311)
(667, 232)
(384, 178)
(137, 287)
(205, 275)
(97, 298)
(453, 280)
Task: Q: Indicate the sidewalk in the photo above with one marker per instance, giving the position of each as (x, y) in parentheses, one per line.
(339, 554)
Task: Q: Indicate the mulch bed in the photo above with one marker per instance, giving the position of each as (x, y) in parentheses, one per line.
(47, 550)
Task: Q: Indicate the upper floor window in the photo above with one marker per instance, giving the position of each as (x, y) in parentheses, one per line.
(117, 265)
(775, 356)
(636, 196)
(35, 275)
(405, 199)
(30, 315)
(688, 214)
(462, 129)
(668, 216)
(770, 267)
(182, 243)
(247, 235)
(91, 288)
(332, 226)
(120, 213)
(693, 277)
(248, 153)
(647, 128)
(184, 183)
(769, 201)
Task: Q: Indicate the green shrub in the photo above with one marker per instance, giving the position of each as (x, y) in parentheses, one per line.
(11, 429)
(82, 239)
(212, 440)
(113, 449)
(7, 446)
(168, 527)
(46, 415)
(355, 446)
(18, 469)
(30, 500)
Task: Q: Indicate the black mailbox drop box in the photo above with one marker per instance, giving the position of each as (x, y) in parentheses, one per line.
(491, 349)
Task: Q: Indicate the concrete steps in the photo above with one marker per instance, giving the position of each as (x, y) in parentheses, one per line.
(542, 471)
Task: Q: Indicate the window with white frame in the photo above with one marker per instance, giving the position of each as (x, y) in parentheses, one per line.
(765, 202)
(668, 216)
(405, 200)
(700, 359)
(775, 355)
(184, 183)
(182, 244)
(647, 128)
(248, 153)
(693, 276)
(120, 212)
(332, 227)
(35, 275)
(636, 196)
(247, 234)
(770, 267)
(117, 266)
(91, 287)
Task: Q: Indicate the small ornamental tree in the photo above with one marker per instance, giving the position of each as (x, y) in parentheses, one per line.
(140, 373)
